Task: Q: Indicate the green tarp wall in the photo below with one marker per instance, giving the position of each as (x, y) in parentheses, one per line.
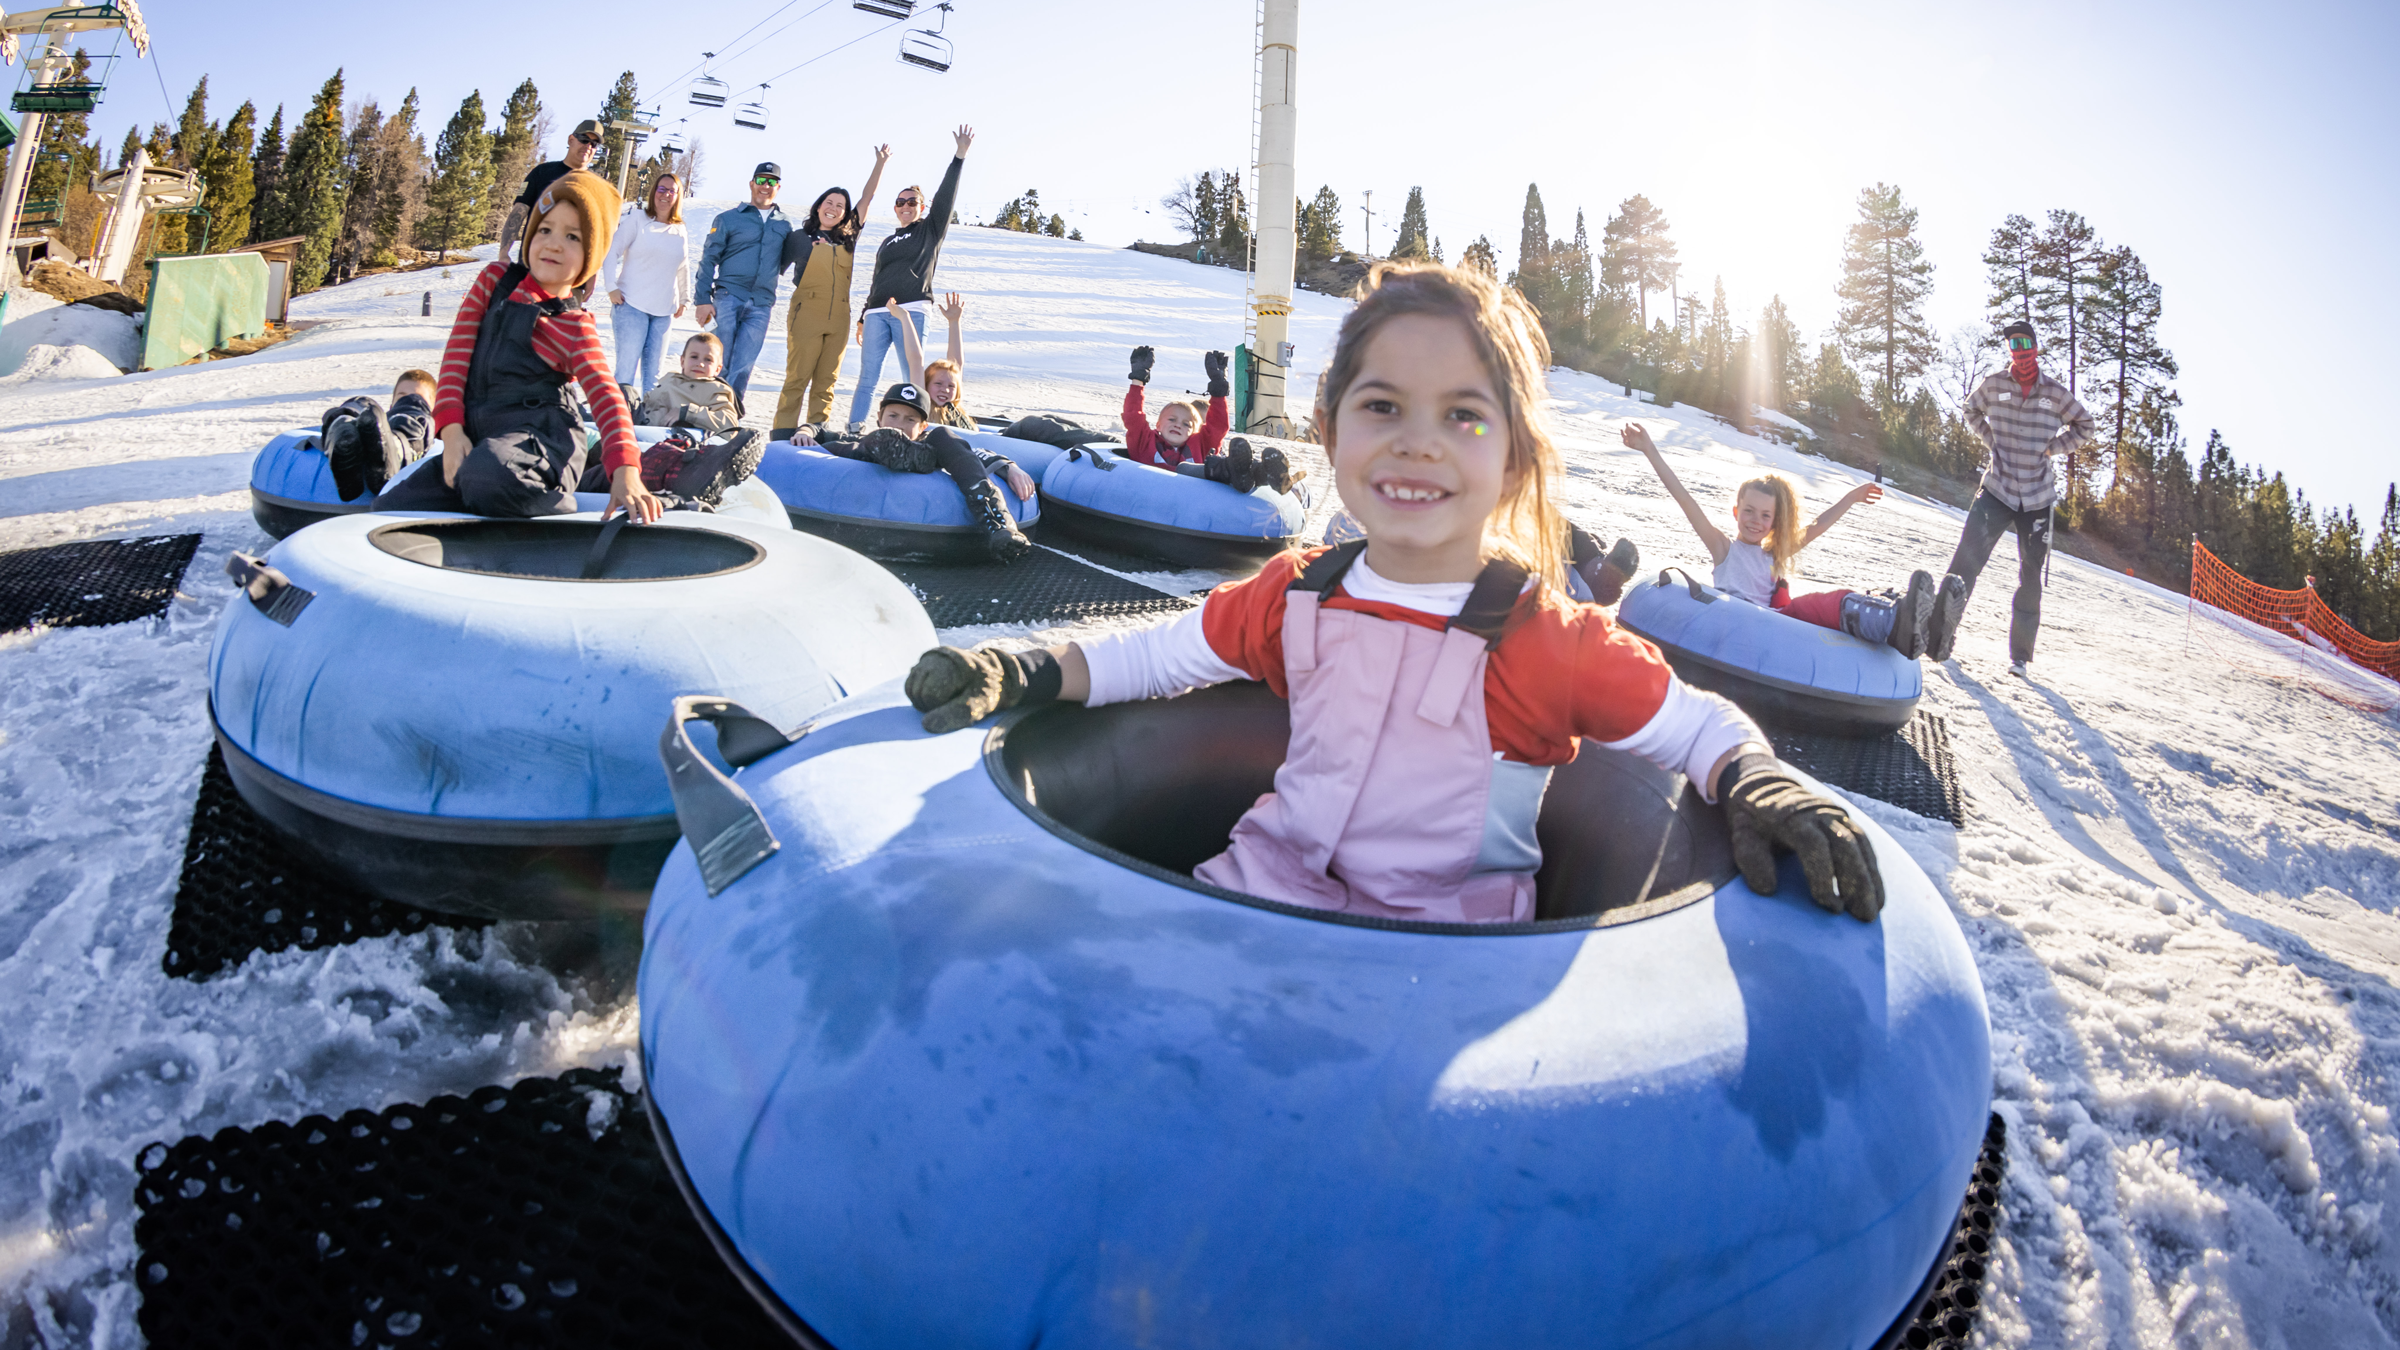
(200, 303)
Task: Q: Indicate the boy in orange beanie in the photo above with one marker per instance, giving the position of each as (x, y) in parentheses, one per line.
(512, 440)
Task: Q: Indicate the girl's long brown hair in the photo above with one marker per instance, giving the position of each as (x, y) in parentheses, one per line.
(1783, 539)
(1526, 528)
(650, 199)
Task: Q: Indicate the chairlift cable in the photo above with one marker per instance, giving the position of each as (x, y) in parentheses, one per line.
(703, 65)
(873, 32)
(722, 61)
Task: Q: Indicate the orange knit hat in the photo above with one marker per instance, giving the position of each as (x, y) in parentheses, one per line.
(594, 200)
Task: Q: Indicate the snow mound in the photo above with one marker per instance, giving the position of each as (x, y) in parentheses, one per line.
(116, 338)
(24, 302)
(73, 362)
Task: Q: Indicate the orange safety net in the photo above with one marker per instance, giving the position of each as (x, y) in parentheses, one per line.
(2301, 616)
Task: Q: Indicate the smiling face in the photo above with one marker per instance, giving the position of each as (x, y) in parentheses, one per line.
(909, 205)
(581, 151)
(941, 386)
(763, 190)
(555, 254)
(663, 195)
(830, 210)
(701, 359)
(1175, 424)
(1754, 516)
(1420, 449)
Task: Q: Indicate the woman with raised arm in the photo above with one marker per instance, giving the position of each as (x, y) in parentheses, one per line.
(904, 266)
(821, 252)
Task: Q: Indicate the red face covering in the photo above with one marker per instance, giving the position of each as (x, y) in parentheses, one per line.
(2026, 367)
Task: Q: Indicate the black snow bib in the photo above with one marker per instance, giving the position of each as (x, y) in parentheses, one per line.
(509, 388)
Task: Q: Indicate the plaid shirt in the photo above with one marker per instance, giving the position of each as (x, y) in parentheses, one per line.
(2023, 433)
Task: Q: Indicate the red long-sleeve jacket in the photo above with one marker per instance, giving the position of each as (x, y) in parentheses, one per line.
(1143, 444)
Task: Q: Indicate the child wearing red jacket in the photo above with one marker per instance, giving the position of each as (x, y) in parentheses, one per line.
(512, 439)
(1435, 669)
(1181, 435)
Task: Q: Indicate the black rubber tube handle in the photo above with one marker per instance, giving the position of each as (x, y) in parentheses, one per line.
(596, 561)
(1690, 583)
(727, 833)
(269, 590)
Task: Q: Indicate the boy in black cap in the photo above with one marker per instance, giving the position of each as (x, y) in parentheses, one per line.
(905, 440)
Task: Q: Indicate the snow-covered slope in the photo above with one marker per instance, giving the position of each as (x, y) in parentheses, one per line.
(2179, 875)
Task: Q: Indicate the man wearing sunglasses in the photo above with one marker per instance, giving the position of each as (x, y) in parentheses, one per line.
(904, 265)
(740, 265)
(583, 146)
(2026, 418)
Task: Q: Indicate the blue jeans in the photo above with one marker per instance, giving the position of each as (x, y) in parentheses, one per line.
(880, 337)
(641, 343)
(742, 326)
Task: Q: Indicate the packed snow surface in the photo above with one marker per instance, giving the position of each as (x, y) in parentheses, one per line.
(115, 338)
(2179, 871)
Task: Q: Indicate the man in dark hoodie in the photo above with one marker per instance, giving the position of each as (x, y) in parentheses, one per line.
(904, 266)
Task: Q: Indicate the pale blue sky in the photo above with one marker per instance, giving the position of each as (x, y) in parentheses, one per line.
(2247, 152)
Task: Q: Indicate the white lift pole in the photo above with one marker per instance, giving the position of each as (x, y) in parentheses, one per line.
(1274, 234)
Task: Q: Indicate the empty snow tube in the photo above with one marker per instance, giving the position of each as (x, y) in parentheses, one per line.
(1096, 494)
(971, 1060)
(456, 719)
(1786, 672)
(881, 513)
(291, 482)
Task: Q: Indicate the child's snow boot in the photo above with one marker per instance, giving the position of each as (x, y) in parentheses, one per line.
(717, 464)
(1949, 610)
(1000, 532)
(1274, 471)
(1898, 622)
(1241, 471)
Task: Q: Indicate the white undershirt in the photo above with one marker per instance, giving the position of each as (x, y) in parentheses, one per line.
(1689, 733)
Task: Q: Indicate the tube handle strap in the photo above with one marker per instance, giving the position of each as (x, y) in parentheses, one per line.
(1690, 583)
(270, 591)
(727, 833)
(596, 561)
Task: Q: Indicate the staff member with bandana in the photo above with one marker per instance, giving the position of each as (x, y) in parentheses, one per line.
(739, 267)
(2025, 417)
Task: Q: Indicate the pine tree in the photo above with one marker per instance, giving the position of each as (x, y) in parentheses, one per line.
(2123, 327)
(1637, 252)
(228, 173)
(133, 142)
(2066, 261)
(193, 132)
(513, 149)
(623, 99)
(1321, 226)
(1533, 240)
(1206, 210)
(1233, 219)
(400, 195)
(2008, 263)
(1783, 361)
(2383, 572)
(270, 209)
(363, 166)
(314, 185)
(1482, 257)
(462, 181)
(1885, 280)
(1413, 238)
(1057, 228)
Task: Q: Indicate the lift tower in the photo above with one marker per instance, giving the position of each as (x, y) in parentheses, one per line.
(1274, 234)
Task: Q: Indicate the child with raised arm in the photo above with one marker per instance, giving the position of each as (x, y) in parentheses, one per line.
(1754, 564)
(944, 381)
(1434, 664)
(512, 439)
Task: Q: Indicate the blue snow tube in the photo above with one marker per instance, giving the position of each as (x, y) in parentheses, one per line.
(881, 513)
(291, 482)
(747, 500)
(948, 1067)
(452, 716)
(1096, 494)
(1782, 670)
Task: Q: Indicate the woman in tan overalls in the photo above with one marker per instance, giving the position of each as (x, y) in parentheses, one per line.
(820, 253)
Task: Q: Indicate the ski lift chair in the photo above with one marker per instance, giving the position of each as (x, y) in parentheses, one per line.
(708, 91)
(927, 47)
(752, 114)
(886, 9)
(677, 139)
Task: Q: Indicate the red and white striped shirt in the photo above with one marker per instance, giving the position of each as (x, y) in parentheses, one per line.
(568, 343)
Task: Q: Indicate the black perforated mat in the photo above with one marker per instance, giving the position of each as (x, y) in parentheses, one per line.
(86, 585)
(1043, 587)
(1946, 1319)
(1911, 768)
(534, 1215)
(244, 889)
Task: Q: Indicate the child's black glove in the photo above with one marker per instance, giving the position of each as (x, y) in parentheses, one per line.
(956, 688)
(1214, 363)
(1143, 359)
(1767, 808)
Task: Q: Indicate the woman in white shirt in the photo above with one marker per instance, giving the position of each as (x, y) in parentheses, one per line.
(649, 276)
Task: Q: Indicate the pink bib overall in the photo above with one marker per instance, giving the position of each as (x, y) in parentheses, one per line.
(1379, 806)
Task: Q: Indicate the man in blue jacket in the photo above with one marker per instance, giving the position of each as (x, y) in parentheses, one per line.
(739, 266)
